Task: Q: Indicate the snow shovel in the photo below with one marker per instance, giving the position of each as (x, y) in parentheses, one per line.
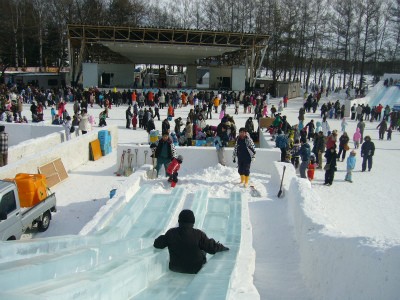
(128, 169)
(153, 173)
(136, 154)
(121, 165)
(283, 175)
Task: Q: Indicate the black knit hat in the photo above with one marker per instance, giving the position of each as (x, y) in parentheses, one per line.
(186, 216)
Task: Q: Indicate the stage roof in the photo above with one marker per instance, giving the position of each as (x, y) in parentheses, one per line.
(160, 45)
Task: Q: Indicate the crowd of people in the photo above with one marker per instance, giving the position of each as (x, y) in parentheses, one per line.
(328, 146)
(143, 107)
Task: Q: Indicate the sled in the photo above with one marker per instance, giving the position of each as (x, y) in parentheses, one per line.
(254, 192)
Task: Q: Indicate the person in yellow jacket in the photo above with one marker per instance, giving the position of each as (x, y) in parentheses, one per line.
(216, 104)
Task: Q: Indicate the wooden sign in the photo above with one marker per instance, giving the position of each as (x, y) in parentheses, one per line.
(54, 171)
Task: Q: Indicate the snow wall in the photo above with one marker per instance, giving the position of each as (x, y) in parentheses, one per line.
(366, 272)
(18, 133)
(27, 156)
(207, 156)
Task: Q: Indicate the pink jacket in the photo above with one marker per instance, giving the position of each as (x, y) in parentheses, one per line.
(357, 135)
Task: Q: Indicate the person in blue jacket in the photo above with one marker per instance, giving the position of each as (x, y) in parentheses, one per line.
(304, 154)
(351, 163)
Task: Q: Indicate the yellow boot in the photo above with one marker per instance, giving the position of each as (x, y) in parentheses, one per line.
(246, 181)
(242, 178)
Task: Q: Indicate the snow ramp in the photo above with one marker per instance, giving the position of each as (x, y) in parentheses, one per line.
(119, 261)
(383, 95)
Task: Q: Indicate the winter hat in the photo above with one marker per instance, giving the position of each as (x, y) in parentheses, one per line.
(179, 158)
(186, 216)
(353, 152)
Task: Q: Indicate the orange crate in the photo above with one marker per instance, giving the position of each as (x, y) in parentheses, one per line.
(32, 188)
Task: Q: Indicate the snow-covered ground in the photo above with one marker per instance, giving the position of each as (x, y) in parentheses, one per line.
(353, 222)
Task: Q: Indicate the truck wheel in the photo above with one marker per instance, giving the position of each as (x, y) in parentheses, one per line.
(45, 223)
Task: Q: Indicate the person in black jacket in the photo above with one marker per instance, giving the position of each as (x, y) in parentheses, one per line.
(165, 126)
(128, 116)
(330, 167)
(187, 246)
(245, 151)
(343, 144)
(367, 151)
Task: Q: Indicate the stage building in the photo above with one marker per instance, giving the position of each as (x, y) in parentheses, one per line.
(163, 57)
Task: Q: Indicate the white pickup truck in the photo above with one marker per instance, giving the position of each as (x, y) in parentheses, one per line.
(14, 220)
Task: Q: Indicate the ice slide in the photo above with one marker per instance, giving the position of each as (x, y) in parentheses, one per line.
(119, 261)
(383, 95)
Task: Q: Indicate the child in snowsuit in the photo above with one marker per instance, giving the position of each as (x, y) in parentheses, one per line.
(295, 156)
(265, 111)
(102, 118)
(311, 168)
(351, 163)
(53, 113)
(357, 138)
(389, 133)
(134, 121)
(172, 170)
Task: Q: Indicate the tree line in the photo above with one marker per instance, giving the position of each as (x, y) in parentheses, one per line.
(308, 38)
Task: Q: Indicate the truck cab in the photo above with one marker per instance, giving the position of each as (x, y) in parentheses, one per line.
(14, 220)
(10, 210)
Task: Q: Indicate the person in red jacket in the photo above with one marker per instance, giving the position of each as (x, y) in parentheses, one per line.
(285, 100)
(311, 168)
(172, 170)
(171, 113)
(134, 121)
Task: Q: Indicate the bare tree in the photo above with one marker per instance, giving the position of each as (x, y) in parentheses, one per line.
(371, 9)
(343, 20)
(317, 13)
(394, 17)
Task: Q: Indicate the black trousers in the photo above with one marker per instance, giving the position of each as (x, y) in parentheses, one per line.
(329, 176)
(366, 159)
(244, 168)
(283, 154)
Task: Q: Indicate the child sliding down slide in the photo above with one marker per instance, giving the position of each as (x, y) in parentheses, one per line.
(172, 170)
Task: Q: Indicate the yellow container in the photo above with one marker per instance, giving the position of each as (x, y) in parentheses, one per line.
(153, 139)
(32, 188)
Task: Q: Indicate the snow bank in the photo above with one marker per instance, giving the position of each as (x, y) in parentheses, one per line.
(197, 158)
(365, 272)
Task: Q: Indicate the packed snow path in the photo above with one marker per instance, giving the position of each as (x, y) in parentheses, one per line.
(120, 261)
